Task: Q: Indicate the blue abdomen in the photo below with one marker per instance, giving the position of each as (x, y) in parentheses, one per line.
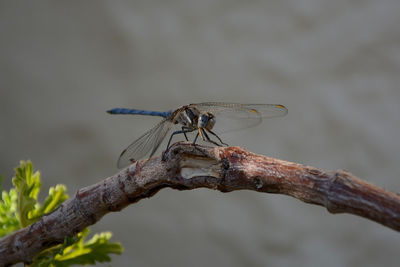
(128, 111)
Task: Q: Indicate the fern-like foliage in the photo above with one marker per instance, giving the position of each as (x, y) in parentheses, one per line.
(78, 251)
(8, 211)
(19, 207)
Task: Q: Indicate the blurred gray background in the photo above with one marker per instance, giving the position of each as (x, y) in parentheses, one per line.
(334, 64)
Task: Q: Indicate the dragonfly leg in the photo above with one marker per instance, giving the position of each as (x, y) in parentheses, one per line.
(194, 143)
(184, 131)
(195, 139)
(211, 132)
(208, 138)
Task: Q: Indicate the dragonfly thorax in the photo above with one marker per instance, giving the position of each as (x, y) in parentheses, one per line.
(188, 117)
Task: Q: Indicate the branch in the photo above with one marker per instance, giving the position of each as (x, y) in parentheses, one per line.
(186, 167)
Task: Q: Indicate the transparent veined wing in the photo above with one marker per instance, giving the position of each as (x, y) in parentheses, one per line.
(147, 143)
(236, 116)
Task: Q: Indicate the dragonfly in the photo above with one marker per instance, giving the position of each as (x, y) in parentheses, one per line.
(200, 118)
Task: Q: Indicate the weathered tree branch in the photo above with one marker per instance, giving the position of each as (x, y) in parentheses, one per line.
(186, 167)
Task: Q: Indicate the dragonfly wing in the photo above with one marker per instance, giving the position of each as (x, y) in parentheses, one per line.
(147, 143)
(235, 116)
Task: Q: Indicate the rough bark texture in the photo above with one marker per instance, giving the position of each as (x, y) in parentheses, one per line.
(186, 167)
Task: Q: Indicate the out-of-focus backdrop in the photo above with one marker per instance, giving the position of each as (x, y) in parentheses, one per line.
(334, 64)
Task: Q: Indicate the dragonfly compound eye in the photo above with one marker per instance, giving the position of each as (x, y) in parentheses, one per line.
(211, 122)
(203, 120)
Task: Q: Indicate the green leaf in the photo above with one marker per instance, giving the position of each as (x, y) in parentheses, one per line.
(57, 195)
(77, 251)
(8, 212)
(28, 186)
(46, 257)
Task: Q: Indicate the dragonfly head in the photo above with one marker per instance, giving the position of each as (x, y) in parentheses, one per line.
(206, 120)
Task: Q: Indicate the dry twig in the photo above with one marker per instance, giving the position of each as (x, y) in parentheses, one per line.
(186, 167)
